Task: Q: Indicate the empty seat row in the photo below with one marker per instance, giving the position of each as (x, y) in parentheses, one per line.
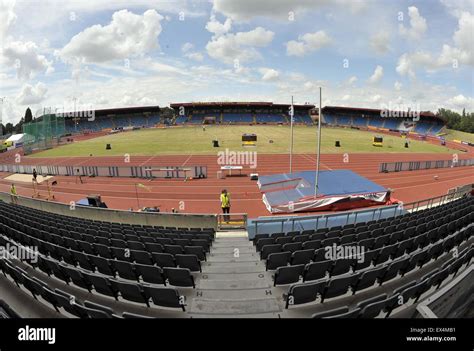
(163, 297)
(302, 293)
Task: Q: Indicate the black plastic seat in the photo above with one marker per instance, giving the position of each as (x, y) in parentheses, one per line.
(164, 297)
(173, 249)
(129, 291)
(311, 244)
(393, 269)
(190, 262)
(262, 242)
(142, 257)
(196, 250)
(101, 284)
(369, 277)
(102, 265)
(124, 269)
(179, 276)
(288, 275)
(317, 270)
(340, 285)
(154, 247)
(103, 251)
(305, 292)
(83, 260)
(292, 247)
(76, 277)
(278, 259)
(150, 274)
(302, 256)
(164, 259)
(121, 253)
(268, 249)
(342, 266)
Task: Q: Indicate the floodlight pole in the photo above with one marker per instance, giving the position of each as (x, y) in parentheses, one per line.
(319, 145)
(292, 113)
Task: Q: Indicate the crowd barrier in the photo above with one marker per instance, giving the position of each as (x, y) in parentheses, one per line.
(418, 165)
(176, 220)
(291, 223)
(111, 171)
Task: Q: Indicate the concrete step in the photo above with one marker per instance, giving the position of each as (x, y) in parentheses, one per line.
(227, 259)
(233, 268)
(236, 277)
(235, 307)
(244, 243)
(238, 254)
(231, 250)
(233, 284)
(236, 295)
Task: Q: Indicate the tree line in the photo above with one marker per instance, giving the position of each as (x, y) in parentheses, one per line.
(463, 122)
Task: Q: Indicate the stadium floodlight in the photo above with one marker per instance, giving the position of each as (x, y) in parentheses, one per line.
(319, 145)
(291, 113)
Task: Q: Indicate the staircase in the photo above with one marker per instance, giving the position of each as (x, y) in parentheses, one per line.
(234, 282)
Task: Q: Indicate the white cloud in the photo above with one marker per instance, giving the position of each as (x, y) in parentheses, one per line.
(25, 57)
(457, 7)
(346, 97)
(240, 46)
(380, 42)
(187, 47)
(352, 80)
(450, 56)
(397, 86)
(218, 28)
(127, 35)
(376, 98)
(460, 102)
(377, 75)
(7, 17)
(196, 56)
(417, 25)
(307, 43)
(269, 74)
(31, 95)
(245, 10)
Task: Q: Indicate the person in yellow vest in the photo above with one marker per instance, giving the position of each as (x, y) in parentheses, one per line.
(225, 204)
(13, 194)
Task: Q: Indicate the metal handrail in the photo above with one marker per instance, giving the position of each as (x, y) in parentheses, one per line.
(400, 208)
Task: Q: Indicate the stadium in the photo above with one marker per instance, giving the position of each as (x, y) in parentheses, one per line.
(182, 260)
(246, 178)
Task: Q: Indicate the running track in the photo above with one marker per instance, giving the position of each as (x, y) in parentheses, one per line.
(202, 196)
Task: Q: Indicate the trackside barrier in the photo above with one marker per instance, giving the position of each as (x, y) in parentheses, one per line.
(177, 220)
(418, 165)
(111, 171)
(299, 223)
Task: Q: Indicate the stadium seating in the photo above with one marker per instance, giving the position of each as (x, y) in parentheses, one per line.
(151, 266)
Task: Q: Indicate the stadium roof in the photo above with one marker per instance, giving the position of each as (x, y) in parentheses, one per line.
(238, 104)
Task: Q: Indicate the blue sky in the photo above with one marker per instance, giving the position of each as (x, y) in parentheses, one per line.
(367, 53)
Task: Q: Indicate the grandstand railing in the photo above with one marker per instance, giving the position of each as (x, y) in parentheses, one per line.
(178, 220)
(351, 217)
(387, 167)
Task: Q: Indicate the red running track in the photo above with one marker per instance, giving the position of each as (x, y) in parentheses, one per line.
(202, 196)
